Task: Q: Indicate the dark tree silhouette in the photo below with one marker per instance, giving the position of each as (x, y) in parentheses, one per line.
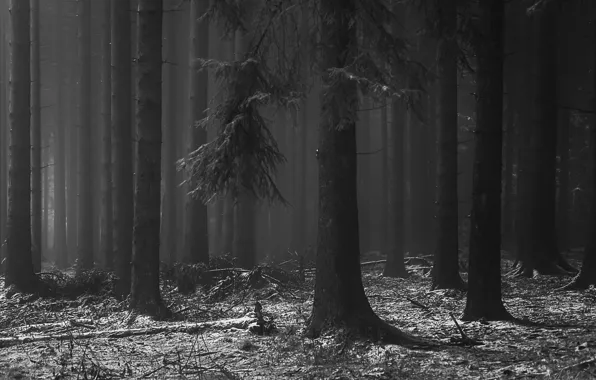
(484, 290)
(121, 143)
(145, 294)
(106, 213)
(445, 272)
(36, 139)
(85, 198)
(19, 265)
(197, 238)
(339, 297)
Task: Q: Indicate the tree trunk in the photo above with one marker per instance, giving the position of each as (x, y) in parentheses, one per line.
(106, 182)
(121, 143)
(395, 266)
(537, 239)
(36, 172)
(85, 199)
(508, 216)
(244, 246)
(145, 295)
(364, 177)
(339, 294)
(169, 246)
(445, 272)
(587, 274)
(484, 280)
(19, 265)
(60, 252)
(564, 181)
(384, 222)
(197, 236)
(3, 138)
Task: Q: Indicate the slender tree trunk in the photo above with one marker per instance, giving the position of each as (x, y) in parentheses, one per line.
(60, 252)
(484, 280)
(384, 222)
(197, 237)
(170, 187)
(36, 171)
(339, 296)
(47, 166)
(537, 238)
(106, 103)
(85, 199)
(145, 294)
(244, 246)
(395, 266)
(3, 138)
(121, 142)
(445, 272)
(19, 265)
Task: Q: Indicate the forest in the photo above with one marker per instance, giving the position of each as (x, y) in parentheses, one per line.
(308, 189)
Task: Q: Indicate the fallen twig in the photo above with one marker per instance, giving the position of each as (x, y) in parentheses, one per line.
(419, 304)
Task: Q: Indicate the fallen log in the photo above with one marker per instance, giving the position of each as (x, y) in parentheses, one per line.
(189, 328)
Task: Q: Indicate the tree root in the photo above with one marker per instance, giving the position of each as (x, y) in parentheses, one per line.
(578, 283)
(489, 314)
(549, 269)
(368, 327)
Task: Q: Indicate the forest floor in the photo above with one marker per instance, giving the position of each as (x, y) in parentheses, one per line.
(95, 336)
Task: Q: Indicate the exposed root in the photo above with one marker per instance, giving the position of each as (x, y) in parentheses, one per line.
(548, 269)
(579, 282)
(494, 313)
(368, 327)
(455, 283)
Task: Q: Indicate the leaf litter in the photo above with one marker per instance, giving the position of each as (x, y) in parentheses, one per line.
(230, 323)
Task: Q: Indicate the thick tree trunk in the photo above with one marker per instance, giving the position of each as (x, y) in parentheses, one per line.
(85, 198)
(564, 192)
(36, 171)
(445, 272)
(107, 252)
(395, 266)
(197, 236)
(19, 266)
(484, 280)
(145, 294)
(169, 246)
(364, 177)
(587, 274)
(339, 294)
(507, 220)
(537, 239)
(121, 142)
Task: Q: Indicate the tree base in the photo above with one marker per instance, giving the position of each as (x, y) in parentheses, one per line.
(395, 272)
(549, 269)
(367, 327)
(579, 282)
(154, 308)
(498, 313)
(455, 283)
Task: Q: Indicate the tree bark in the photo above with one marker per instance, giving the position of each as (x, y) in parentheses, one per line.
(145, 295)
(587, 273)
(85, 198)
(339, 294)
(197, 236)
(19, 265)
(445, 272)
(384, 222)
(244, 245)
(484, 280)
(395, 266)
(121, 143)
(169, 246)
(537, 239)
(364, 177)
(36, 171)
(3, 137)
(107, 252)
